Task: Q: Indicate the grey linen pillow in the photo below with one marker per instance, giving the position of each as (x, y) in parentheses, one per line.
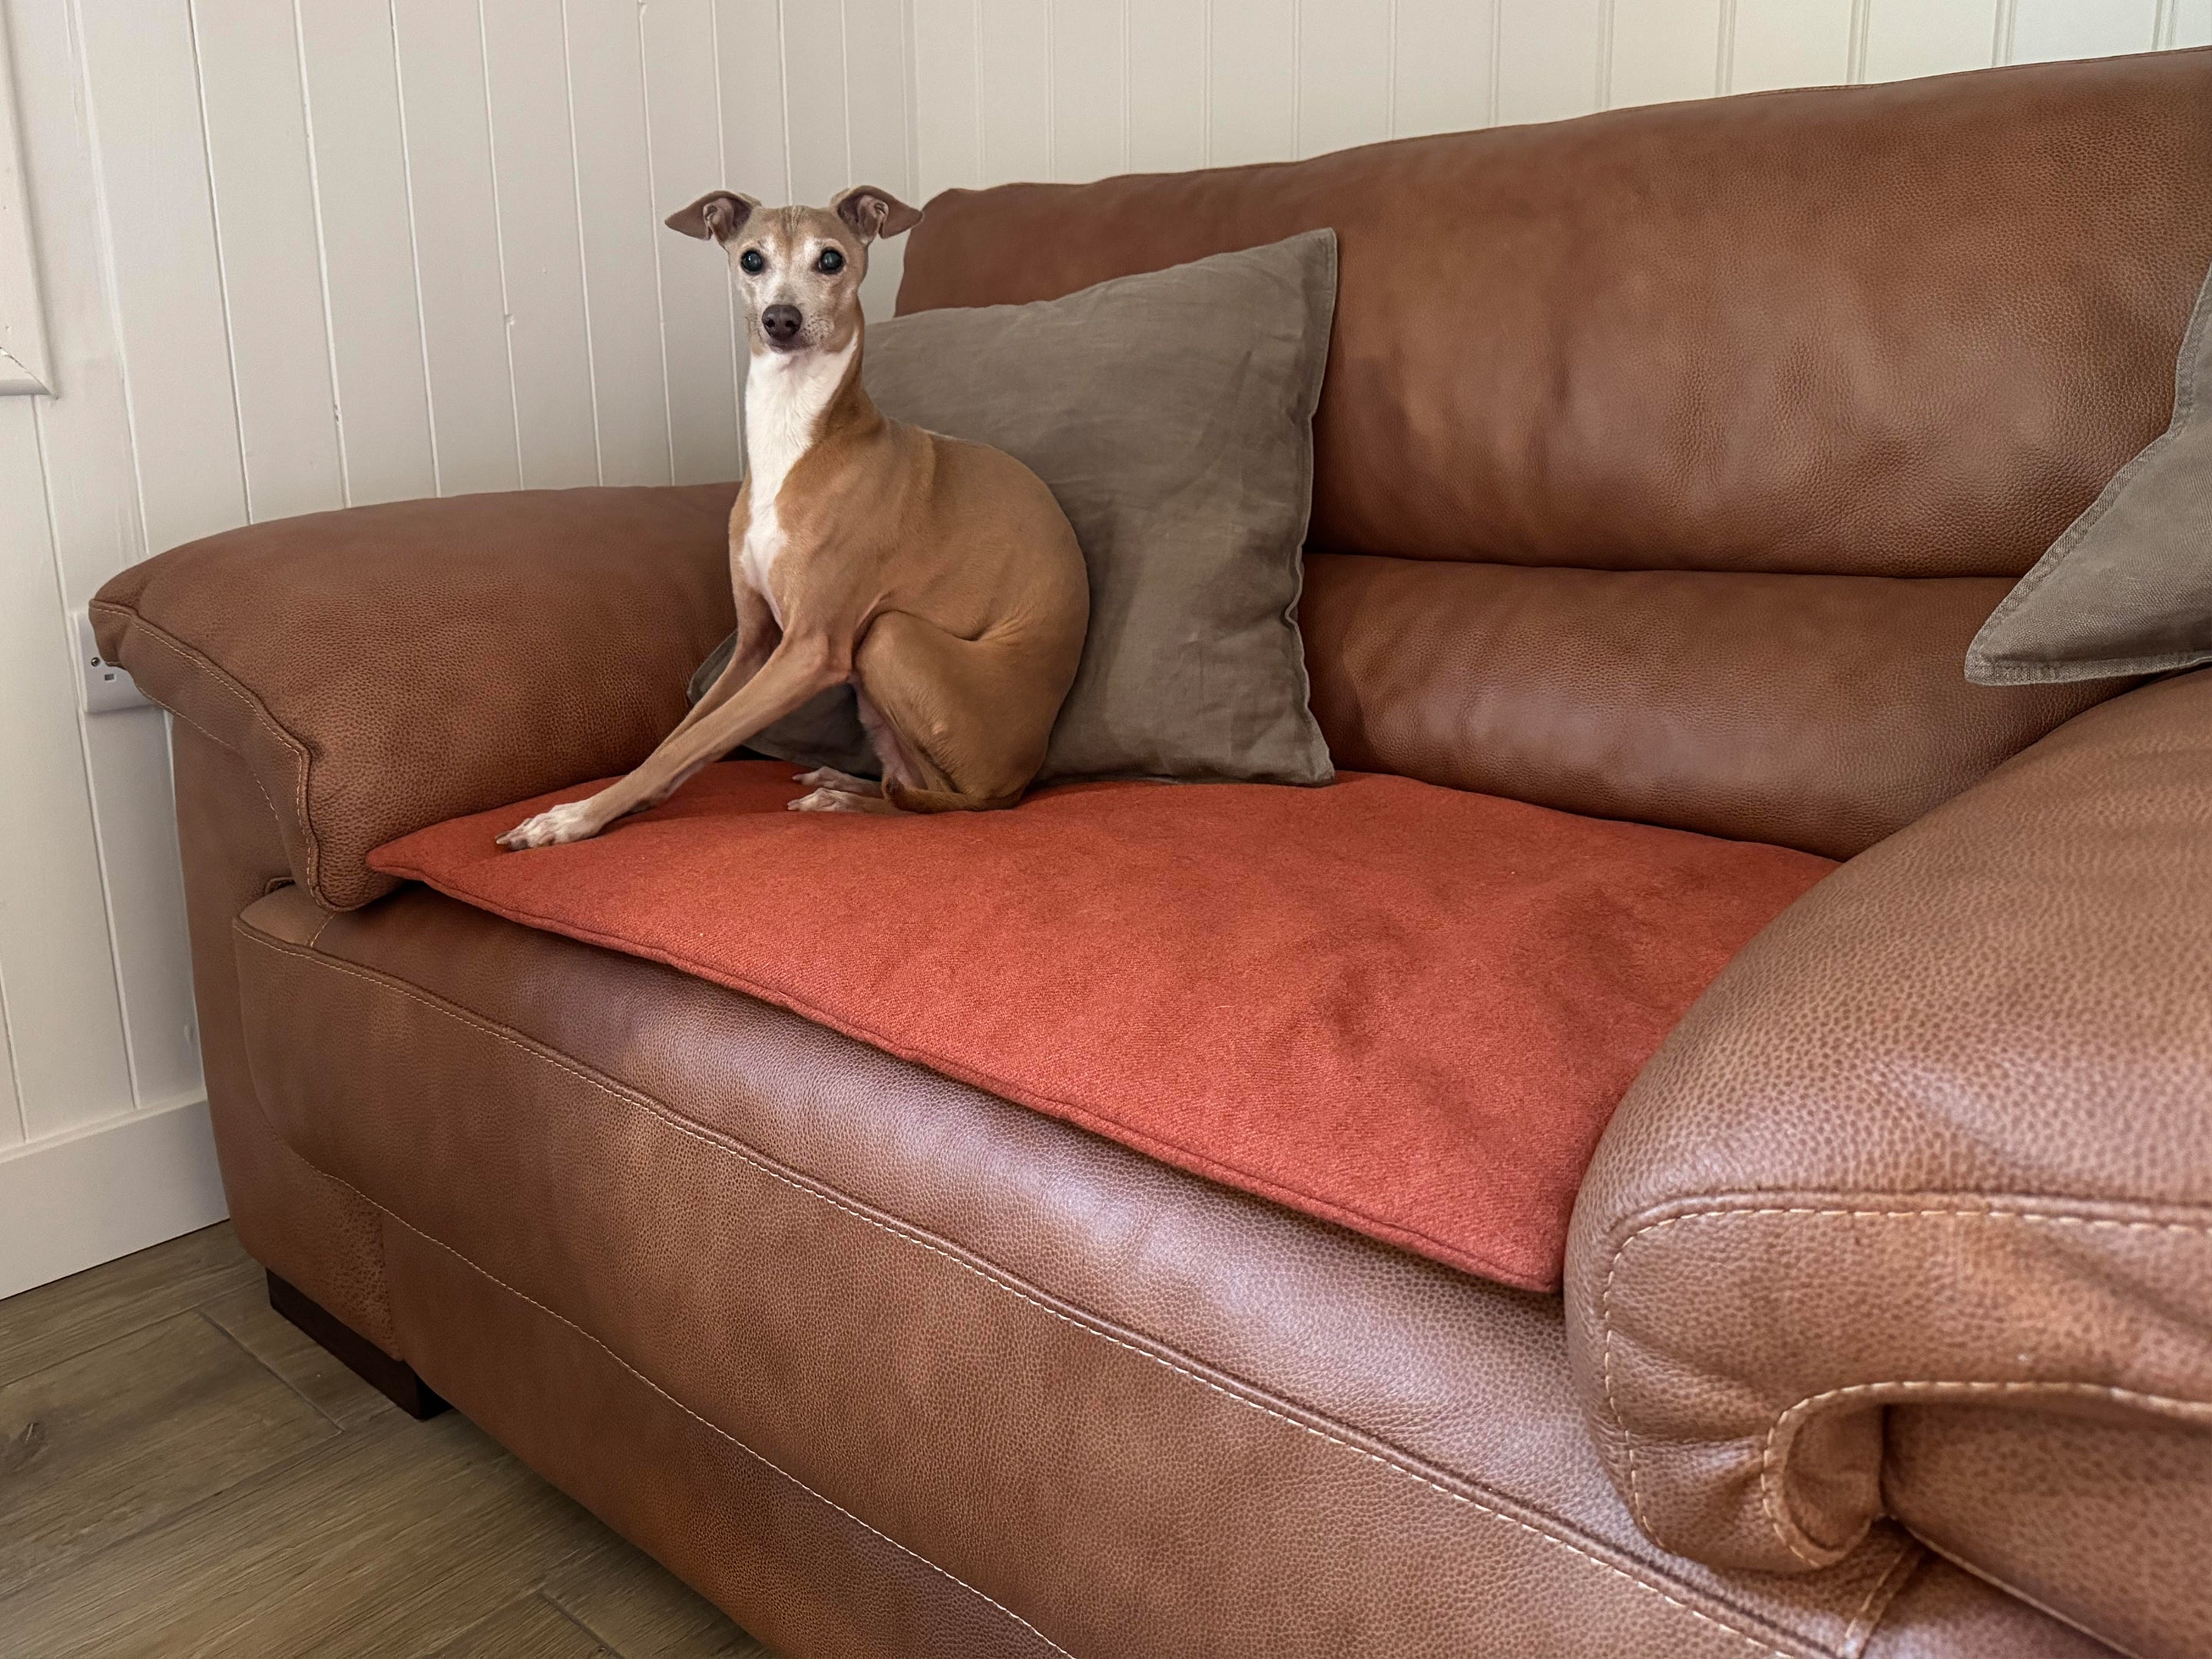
(2128, 588)
(1171, 414)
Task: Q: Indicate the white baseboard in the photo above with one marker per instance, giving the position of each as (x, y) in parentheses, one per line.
(77, 1200)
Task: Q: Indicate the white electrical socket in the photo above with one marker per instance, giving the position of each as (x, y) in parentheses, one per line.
(104, 689)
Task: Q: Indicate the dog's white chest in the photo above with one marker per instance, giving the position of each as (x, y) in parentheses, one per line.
(757, 556)
(785, 397)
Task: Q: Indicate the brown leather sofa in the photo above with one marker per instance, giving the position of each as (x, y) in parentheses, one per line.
(1667, 462)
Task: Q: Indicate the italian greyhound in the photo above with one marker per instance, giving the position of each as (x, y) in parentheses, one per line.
(939, 576)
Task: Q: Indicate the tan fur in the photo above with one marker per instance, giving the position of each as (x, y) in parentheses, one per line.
(939, 576)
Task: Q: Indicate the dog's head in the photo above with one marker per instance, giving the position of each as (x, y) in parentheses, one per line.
(798, 268)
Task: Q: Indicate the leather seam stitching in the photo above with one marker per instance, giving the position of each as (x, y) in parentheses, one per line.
(765, 1167)
(1774, 1449)
(1891, 1579)
(223, 678)
(1768, 1477)
(273, 883)
(715, 1429)
(1983, 1575)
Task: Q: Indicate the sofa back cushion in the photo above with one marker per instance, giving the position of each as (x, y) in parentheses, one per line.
(1902, 332)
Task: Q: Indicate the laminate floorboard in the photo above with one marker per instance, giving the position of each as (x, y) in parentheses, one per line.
(183, 1472)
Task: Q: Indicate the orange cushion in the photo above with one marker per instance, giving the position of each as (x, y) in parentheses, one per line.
(1407, 1009)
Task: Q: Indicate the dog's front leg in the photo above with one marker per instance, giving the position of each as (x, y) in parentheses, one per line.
(757, 638)
(796, 669)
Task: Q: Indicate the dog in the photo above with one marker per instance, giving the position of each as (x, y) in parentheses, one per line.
(940, 577)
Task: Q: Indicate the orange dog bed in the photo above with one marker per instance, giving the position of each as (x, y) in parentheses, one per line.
(1407, 1009)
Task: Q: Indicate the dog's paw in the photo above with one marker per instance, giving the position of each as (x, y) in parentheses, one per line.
(838, 801)
(829, 777)
(575, 822)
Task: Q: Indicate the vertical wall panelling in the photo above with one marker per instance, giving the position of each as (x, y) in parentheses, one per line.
(1346, 70)
(684, 138)
(1790, 43)
(749, 43)
(621, 237)
(25, 368)
(446, 130)
(1551, 58)
(1014, 82)
(1663, 50)
(145, 108)
(2037, 30)
(533, 156)
(367, 239)
(11, 1110)
(1252, 90)
(879, 124)
(124, 1030)
(2187, 23)
(157, 356)
(814, 113)
(1168, 108)
(1089, 88)
(68, 1049)
(1443, 52)
(272, 280)
(1906, 38)
(948, 109)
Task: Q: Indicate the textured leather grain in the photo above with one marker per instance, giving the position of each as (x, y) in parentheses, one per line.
(1906, 330)
(1817, 712)
(1945, 1614)
(313, 1231)
(803, 1575)
(1938, 1137)
(386, 667)
(2020, 1491)
(1142, 1413)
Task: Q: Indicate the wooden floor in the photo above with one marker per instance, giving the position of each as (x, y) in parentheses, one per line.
(183, 1472)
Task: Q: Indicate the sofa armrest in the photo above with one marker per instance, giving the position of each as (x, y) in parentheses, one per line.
(384, 668)
(1941, 1136)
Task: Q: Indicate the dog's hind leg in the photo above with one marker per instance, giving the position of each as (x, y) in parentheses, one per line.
(841, 792)
(961, 724)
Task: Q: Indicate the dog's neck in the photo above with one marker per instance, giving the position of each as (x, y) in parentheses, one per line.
(790, 399)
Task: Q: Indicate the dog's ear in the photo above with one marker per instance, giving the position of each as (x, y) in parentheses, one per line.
(873, 213)
(716, 215)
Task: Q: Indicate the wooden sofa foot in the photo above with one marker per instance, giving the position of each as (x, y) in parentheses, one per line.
(394, 1379)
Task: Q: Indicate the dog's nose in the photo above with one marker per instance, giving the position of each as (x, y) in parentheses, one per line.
(782, 322)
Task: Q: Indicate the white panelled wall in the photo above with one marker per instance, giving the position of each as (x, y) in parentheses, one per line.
(1077, 90)
(297, 254)
(301, 255)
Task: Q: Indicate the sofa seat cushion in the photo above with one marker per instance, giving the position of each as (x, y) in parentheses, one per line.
(702, 1262)
(1405, 1009)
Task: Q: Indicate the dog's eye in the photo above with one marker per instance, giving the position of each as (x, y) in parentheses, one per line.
(752, 262)
(830, 262)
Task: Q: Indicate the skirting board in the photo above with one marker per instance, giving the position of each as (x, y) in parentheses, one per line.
(77, 1200)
